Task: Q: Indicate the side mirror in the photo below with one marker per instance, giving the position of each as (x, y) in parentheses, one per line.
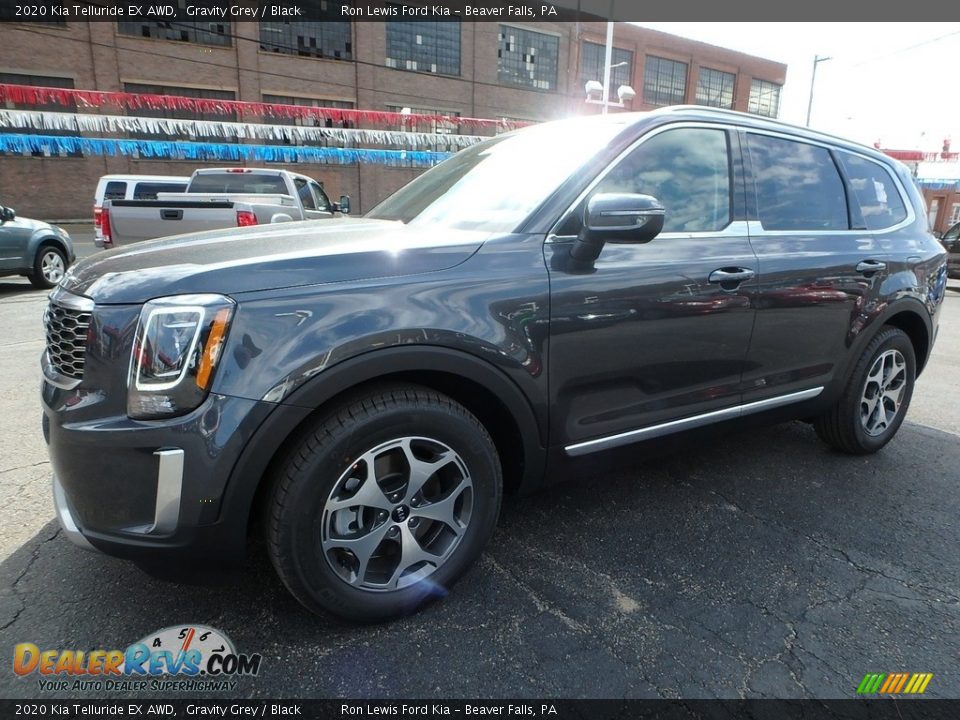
(7, 214)
(344, 205)
(617, 217)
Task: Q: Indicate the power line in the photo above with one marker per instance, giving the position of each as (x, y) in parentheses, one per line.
(908, 48)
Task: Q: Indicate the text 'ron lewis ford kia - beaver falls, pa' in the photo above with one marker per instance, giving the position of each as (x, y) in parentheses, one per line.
(364, 390)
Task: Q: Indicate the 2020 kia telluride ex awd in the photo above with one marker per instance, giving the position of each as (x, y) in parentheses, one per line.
(371, 384)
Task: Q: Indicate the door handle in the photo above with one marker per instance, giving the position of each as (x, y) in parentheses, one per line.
(731, 275)
(870, 266)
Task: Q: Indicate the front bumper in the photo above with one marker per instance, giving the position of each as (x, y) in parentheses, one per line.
(152, 492)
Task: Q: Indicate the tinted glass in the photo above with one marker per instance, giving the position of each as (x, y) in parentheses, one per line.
(798, 185)
(953, 233)
(306, 199)
(243, 183)
(115, 190)
(687, 169)
(323, 202)
(879, 199)
(149, 190)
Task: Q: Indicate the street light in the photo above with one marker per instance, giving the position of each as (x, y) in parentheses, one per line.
(817, 59)
(625, 93)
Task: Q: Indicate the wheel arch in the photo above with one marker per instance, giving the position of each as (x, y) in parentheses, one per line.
(43, 239)
(481, 387)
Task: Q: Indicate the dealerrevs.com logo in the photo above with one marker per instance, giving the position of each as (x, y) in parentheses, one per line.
(187, 658)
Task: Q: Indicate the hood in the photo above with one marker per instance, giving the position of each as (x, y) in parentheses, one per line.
(239, 260)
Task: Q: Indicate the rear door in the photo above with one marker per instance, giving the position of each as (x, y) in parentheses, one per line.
(655, 332)
(822, 256)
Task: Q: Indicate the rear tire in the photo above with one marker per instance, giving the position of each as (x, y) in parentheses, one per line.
(49, 267)
(875, 400)
(383, 503)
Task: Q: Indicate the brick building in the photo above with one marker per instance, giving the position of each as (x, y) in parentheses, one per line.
(529, 72)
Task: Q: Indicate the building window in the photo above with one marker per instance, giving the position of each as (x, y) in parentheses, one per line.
(764, 98)
(591, 65)
(172, 114)
(204, 33)
(331, 38)
(527, 59)
(664, 81)
(954, 215)
(715, 88)
(40, 81)
(306, 102)
(441, 127)
(432, 47)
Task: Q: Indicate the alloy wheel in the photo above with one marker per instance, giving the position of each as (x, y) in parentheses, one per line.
(883, 392)
(397, 514)
(51, 267)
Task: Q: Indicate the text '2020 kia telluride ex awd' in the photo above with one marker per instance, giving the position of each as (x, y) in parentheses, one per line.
(371, 384)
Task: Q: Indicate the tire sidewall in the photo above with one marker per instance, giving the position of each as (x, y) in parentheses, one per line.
(317, 476)
(890, 340)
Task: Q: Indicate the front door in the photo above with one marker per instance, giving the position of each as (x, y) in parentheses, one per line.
(655, 332)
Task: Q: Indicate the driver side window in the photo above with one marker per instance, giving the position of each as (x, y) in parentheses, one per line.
(687, 170)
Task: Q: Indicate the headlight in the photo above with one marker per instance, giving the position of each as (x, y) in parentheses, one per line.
(175, 354)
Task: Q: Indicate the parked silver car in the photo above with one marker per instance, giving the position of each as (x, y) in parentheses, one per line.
(38, 250)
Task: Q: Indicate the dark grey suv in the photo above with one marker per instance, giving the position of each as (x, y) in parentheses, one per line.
(370, 387)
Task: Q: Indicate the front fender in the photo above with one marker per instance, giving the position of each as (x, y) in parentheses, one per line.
(47, 235)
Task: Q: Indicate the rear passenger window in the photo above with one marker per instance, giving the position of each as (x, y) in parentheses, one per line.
(875, 190)
(115, 190)
(687, 170)
(798, 185)
(148, 190)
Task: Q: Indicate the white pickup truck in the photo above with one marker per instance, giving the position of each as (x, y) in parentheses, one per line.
(219, 198)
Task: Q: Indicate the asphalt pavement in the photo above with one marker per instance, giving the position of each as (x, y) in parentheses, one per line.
(755, 563)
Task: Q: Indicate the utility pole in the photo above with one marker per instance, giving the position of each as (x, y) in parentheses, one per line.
(817, 59)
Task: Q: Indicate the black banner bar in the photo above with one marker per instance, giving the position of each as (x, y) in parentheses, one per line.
(926, 709)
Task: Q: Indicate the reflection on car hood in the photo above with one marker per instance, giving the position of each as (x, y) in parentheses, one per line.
(237, 260)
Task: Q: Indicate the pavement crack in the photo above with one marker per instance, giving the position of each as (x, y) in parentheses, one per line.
(26, 568)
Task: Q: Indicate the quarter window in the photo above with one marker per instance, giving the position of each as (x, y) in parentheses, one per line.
(664, 81)
(877, 194)
(687, 170)
(798, 185)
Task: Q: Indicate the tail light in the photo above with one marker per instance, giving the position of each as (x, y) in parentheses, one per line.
(96, 215)
(245, 218)
(105, 227)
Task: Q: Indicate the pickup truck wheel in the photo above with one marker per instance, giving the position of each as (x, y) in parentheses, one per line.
(49, 266)
(875, 401)
(383, 503)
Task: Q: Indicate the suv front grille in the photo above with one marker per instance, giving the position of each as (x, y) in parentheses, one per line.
(66, 330)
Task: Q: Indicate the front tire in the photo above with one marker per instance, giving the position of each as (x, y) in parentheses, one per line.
(49, 267)
(383, 503)
(875, 401)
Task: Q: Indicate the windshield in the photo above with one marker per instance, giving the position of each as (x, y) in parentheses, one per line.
(239, 183)
(496, 184)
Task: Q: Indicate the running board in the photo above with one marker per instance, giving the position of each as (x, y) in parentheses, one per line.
(612, 441)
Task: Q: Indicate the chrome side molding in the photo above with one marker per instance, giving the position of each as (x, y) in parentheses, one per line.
(695, 421)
